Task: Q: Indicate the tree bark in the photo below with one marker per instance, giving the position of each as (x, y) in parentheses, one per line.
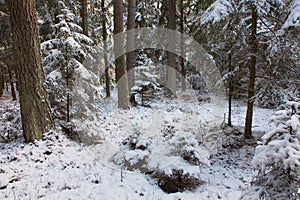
(12, 86)
(104, 37)
(130, 43)
(183, 71)
(6, 81)
(84, 17)
(1, 82)
(35, 107)
(121, 73)
(251, 86)
(230, 91)
(171, 73)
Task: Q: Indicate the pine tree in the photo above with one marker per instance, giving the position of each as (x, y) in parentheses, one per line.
(146, 70)
(278, 155)
(280, 147)
(67, 63)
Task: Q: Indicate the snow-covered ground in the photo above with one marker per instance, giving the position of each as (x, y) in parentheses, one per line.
(58, 168)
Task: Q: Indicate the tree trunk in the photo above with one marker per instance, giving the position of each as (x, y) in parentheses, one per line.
(35, 107)
(121, 73)
(171, 73)
(230, 91)
(84, 17)
(1, 82)
(251, 87)
(6, 81)
(130, 43)
(104, 37)
(183, 71)
(12, 86)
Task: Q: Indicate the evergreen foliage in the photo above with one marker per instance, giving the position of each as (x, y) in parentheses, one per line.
(71, 71)
(278, 155)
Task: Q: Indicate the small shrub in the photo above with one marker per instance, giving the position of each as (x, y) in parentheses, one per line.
(191, 157)
(177, 181)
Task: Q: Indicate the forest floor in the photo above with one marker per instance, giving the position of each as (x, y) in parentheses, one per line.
(59, 168)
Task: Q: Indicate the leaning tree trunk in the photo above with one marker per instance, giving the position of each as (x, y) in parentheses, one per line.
(121, 73)
(171, 73)
(35, 107)
(84, 17)
(251, 87)
(130, 43)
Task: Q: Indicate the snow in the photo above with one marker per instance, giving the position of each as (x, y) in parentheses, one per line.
(218, 11)
(278, 151)
(47, 45)
(72, 44)
(294, 16)
(83, 38)
(294, 122)
(59, 168)
(84, 73)
(264, 7)
(54, 75)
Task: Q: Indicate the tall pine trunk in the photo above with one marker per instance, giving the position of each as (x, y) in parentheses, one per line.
(130, 42)
(84, 17)
(121, 73)
(35, 107)
(104, 37)
(183, 71)
(171, 73)
(230, 91)
(1, 82)
(252, 65)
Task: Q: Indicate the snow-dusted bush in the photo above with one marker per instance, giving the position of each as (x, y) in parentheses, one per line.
(134, 154)
(177, 181)
(170, 159)
(277, 157)
(162, 152)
